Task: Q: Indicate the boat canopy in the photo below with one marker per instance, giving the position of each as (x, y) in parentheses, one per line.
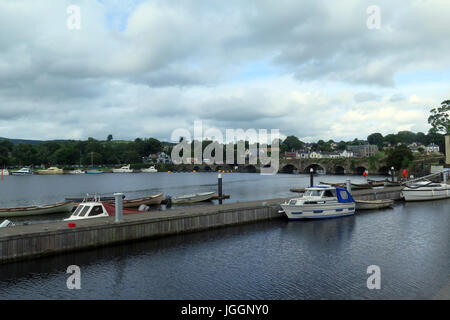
(343, 195)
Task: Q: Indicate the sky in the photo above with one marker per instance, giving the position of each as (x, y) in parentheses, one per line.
(315, 69)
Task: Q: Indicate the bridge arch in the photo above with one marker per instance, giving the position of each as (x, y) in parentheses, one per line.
(288, 168)
(315, 167)
(384, 170)
(360, 170)
(339, 170)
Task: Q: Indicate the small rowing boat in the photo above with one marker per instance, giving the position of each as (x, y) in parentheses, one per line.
(373, 204)
(151, 200)
(37, 210)
(193, 198)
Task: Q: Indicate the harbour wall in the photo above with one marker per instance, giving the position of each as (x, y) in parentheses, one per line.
(38, 240)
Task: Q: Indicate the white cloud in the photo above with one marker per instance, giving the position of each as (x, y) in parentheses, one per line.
(143, 68)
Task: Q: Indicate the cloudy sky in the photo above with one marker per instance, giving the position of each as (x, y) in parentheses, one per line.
(144, 68)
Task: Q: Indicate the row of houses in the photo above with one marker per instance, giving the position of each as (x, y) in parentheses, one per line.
(358, 151)
(417, 147)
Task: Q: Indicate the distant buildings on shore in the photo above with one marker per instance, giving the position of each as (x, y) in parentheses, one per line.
(355, 151)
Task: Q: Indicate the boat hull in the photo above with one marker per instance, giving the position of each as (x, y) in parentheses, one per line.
(193, 198)
(322, 211)
(426, 194)
(37, 210)
(152, 200)
(373, 205)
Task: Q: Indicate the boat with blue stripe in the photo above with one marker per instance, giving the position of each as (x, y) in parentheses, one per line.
(320, 202)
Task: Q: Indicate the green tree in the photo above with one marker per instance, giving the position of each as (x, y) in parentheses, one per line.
(399, 157)
(291, 143)
(440, 118)
(376, 139)
(110, 137)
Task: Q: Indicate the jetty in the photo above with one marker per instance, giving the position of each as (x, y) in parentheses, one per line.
(39, 240)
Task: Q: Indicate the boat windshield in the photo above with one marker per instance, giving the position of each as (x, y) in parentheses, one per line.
(313, 193)
(77, 211)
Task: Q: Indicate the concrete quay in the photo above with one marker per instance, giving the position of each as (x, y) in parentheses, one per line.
(38, 240)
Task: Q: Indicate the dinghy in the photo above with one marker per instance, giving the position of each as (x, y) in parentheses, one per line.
(37, 210)
(373, 204)
(193, 198)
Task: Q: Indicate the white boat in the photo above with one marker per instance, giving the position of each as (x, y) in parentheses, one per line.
(4, 172)
(425, 190)
(25, 171)
(77, 171)
(124, 169)
(320, 202)
(151, 169)
(373, 204)
(96, 209)
(51, 170)
(193, 198)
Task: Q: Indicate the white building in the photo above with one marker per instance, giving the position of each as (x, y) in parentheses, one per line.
(347, 154)
(315, 155)
(432, 148)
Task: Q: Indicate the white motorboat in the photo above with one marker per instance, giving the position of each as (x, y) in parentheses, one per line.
(320, 202)
(25, 171)
(4, 172)
(124, 169)
(425, 190)
(151, 169)
(97, 209)
(77, 171)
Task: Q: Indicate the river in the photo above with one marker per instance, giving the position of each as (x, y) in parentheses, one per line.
(326, 259)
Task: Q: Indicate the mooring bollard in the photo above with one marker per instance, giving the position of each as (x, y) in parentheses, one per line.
(219, 186)
(349, 185)
(119, 206)
(311, 178)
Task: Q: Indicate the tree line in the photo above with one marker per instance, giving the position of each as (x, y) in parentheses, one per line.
(78, 152)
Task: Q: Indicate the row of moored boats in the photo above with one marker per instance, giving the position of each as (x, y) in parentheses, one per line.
(25, 171)
(328, 201)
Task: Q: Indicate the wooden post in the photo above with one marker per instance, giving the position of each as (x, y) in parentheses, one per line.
(219, 185)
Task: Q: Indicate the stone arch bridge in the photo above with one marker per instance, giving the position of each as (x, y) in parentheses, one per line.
(328, 165)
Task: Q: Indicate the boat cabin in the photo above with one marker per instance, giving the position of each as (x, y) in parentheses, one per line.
(325, 193)
(88, 210)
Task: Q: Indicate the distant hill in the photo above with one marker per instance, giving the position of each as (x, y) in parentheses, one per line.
(34, 142)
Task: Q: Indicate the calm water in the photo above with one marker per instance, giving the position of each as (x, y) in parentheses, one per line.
(35, 190)
(324, 259)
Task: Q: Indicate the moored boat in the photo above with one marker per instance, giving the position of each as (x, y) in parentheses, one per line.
(94, 171)
(4, 172)
(425, 190)
(320, 202)
(25, 171)
(37, 210)
(151, 169)
(392, 183)
(373, 204)
(361, 186)
(51, 170)
(77, 171)
(193, 198)
(124, 169)
(151, 200)
(97, 209)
